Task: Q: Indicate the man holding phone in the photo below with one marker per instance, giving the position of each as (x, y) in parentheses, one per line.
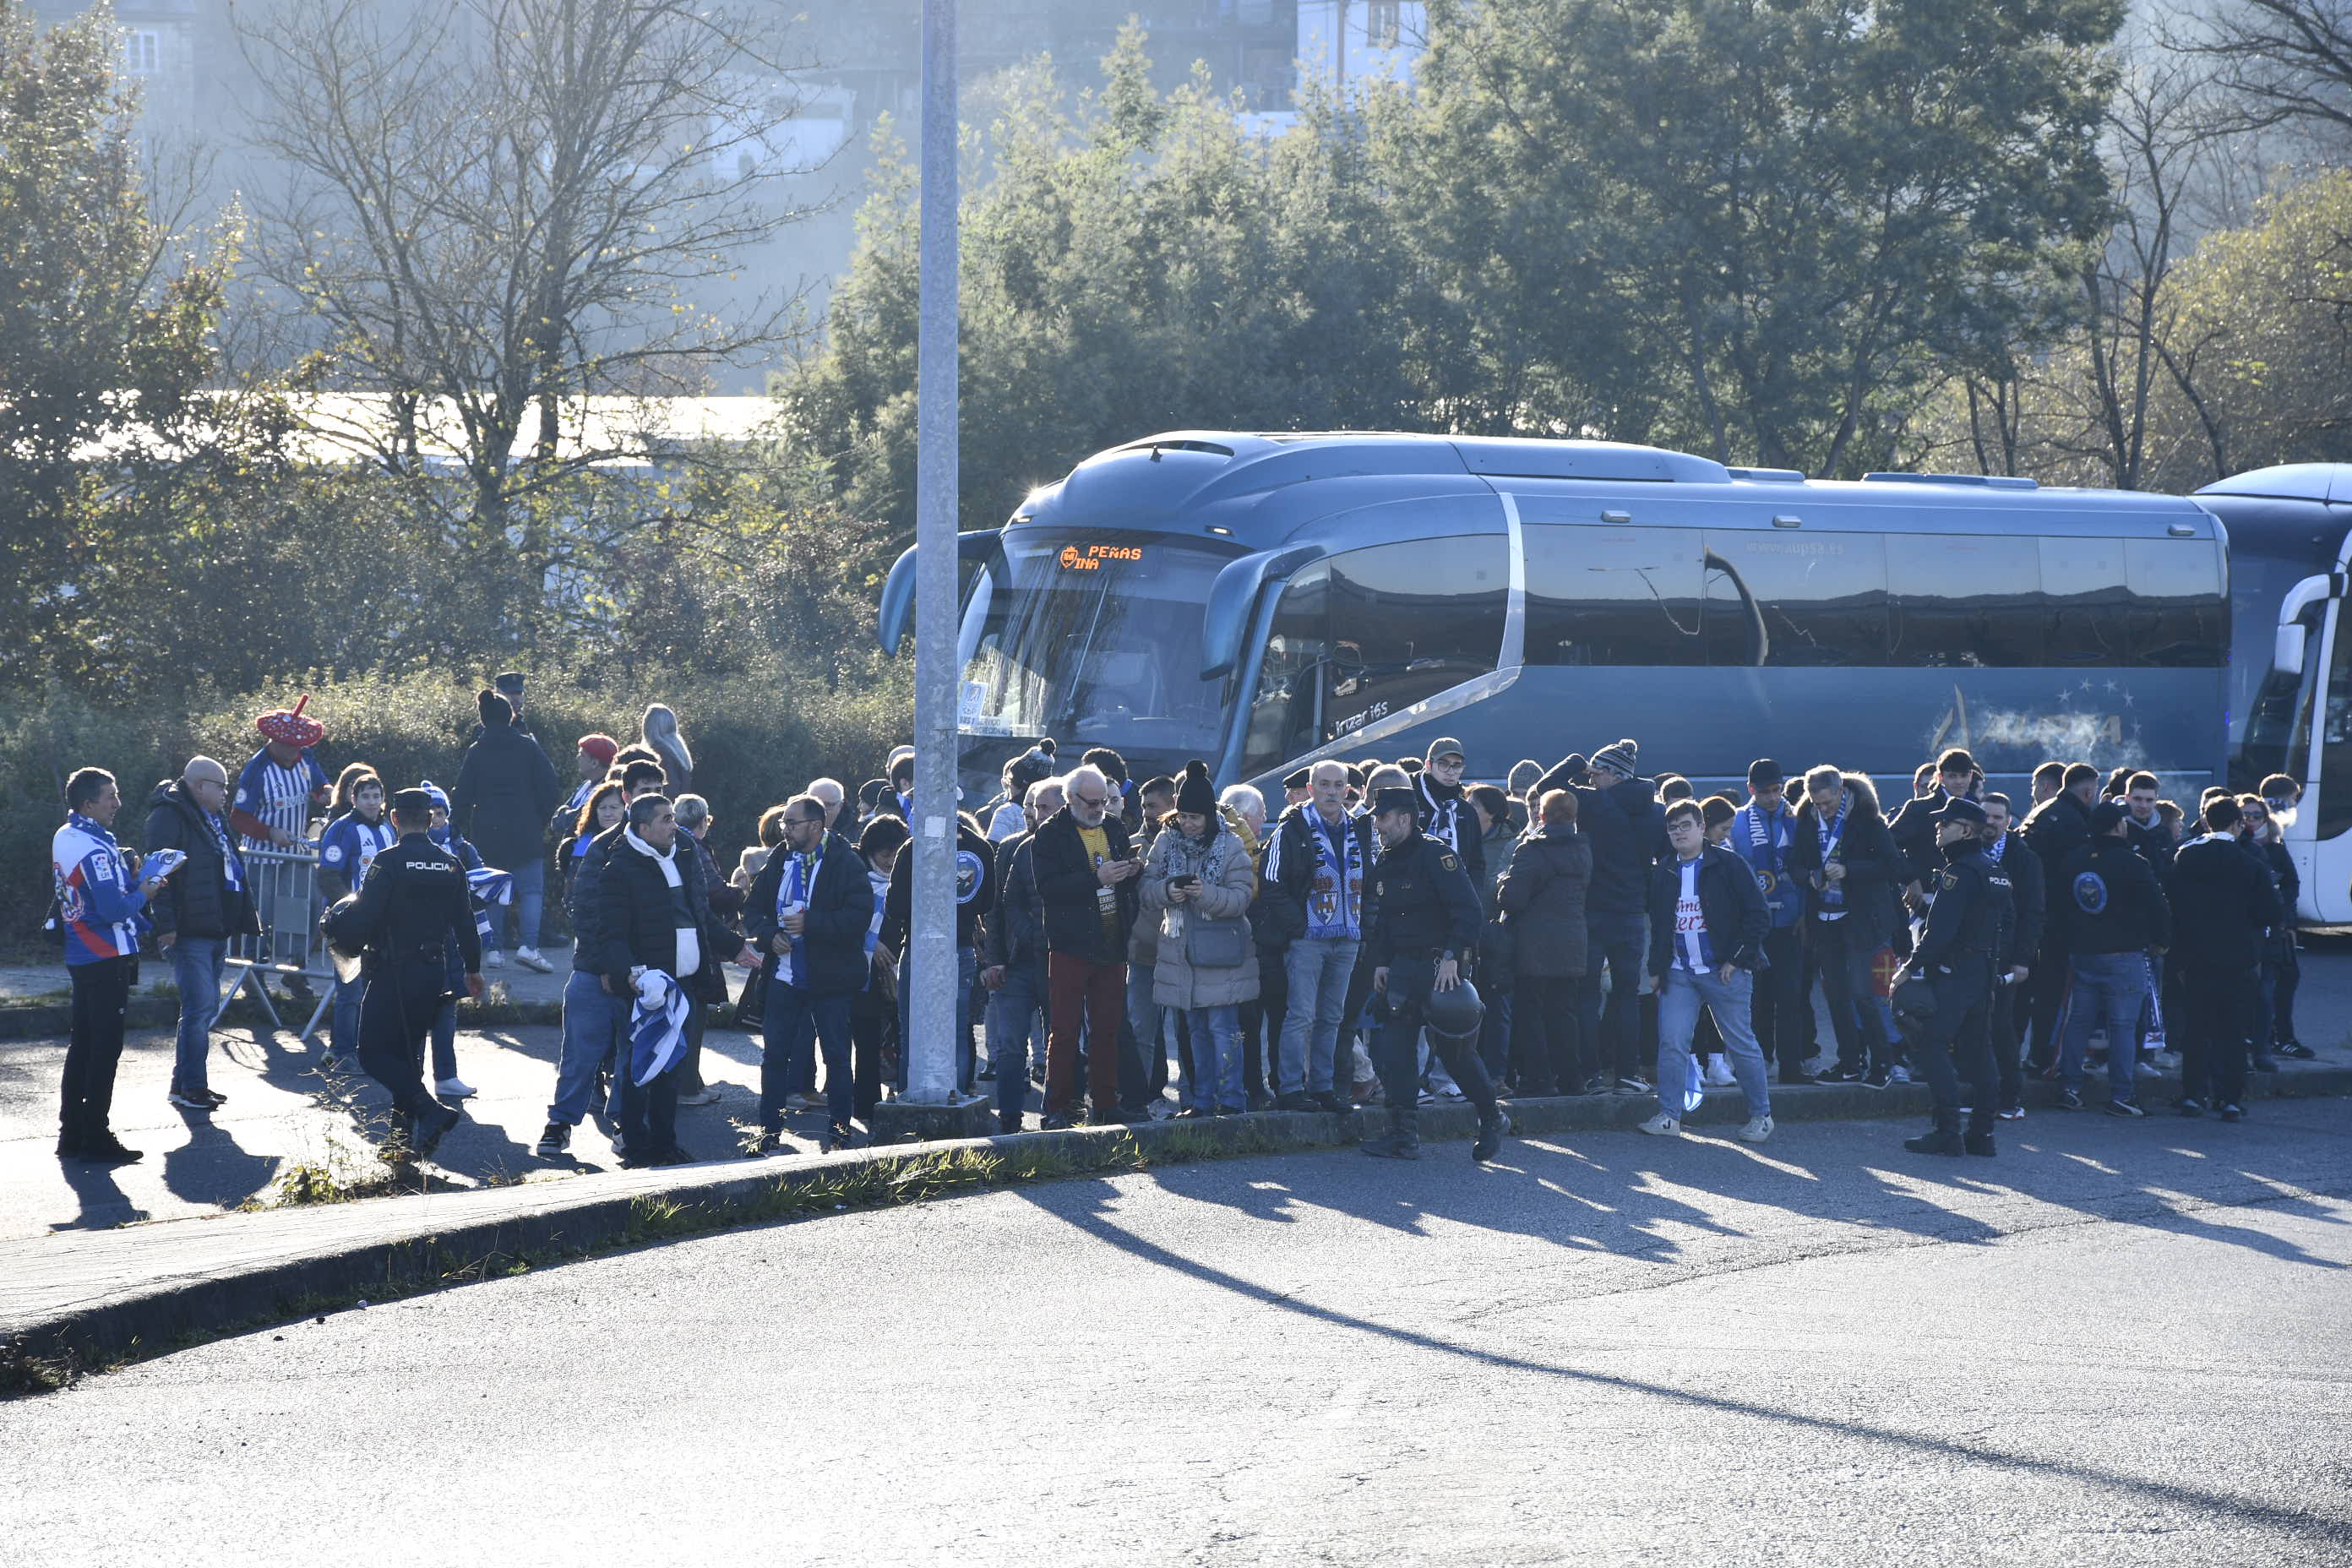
(1086, 869)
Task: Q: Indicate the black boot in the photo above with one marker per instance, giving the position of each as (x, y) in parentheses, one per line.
(1402, 1140)
(1492, 1125)
(1979, 1140)
(1008, 1121)
(1944, 1140)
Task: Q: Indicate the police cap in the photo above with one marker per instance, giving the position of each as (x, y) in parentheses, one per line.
(1959, 808)
(1297, 780)
(412, 803)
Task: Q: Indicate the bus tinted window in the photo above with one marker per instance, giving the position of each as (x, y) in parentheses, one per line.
(1286, 716)
(1790, 600)
(1963, 600)
(1598, 594)
(1408, 620)
(2177, 616)
(2085, 595)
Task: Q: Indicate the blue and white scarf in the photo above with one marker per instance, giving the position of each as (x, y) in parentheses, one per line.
(1335, 895)
(656, 1026)
(1832, 833)
(793, 888)
(1992, 850)
(232, 863)
(1768, 835)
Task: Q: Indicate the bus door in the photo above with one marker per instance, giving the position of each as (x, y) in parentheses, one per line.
(2319, 836)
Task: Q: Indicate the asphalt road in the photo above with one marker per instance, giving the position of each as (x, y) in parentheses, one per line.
(2118, 1343)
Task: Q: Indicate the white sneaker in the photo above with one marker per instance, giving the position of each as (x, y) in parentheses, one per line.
(1662, 1126)
(454, 1088)
(1758, 1129)
(1719, 1073)
(706, 1095)
(494, 959)
(529, 958)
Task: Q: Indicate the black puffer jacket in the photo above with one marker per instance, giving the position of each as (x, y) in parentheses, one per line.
(840, 910)
(196, 901)
(636, 919)
(1543, 896)
(506, 789)
(1875, 868)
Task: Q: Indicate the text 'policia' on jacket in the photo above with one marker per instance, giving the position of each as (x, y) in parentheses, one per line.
(413, 904)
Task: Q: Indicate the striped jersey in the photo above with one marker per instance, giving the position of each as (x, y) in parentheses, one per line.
(279, 796)
(98, 901)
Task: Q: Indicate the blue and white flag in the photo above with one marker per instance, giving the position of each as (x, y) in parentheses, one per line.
(657, 1027)
(491, 885)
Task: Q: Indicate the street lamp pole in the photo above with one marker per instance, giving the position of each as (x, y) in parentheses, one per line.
(931, 940)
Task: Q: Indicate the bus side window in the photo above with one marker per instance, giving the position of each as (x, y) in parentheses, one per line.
(1795, 601)
(2179, 619)
(1964, 601)
(2085, 597)
(1407, 621)
(1600, 594)
(1285, 714)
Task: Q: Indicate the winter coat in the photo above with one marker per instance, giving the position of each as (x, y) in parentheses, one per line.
(1066, 884)
(2054, 831)
(2225, 905)
(1874, 868)
(636, 922)
(506, 790)
(1729, 900)
(1227, 878)
(975, 890)
(1014, 931)
(840, 910)
(1628, 830)
(196, 901)
(2112, 903)
(1292, 862)
(1542, 893)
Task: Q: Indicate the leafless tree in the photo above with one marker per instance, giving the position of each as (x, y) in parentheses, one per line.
(2283, 62)
(499, 207)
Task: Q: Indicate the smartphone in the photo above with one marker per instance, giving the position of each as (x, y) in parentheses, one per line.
(1182, 881)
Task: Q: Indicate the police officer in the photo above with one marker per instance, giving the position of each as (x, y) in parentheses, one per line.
(411, 905)
(1967, 939)
(1422, 921)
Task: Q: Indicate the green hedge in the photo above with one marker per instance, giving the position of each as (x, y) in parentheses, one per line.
(755, 741)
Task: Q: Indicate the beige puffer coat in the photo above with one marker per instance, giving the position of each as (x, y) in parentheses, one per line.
(1228, 881)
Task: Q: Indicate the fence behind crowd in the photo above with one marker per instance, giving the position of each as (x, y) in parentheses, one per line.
(285, 897)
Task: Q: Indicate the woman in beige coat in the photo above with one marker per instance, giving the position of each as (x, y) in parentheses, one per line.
(1200, 880)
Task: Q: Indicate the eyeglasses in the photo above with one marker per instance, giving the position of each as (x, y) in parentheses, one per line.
(802, 821)
(1089, 800)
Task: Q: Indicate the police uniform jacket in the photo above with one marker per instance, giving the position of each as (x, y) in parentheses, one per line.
(1971, 915)
(2225, 904)
(1420, 900)
(1914, 832)
(2110, 900)
(2029, 899)
(1067, 885)
(413, 902)
(1729, 900)
(840, 910)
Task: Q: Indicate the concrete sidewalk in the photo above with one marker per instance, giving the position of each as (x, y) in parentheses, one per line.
(80, 1296)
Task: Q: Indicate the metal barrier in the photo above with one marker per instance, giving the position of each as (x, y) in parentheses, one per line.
(285, 888)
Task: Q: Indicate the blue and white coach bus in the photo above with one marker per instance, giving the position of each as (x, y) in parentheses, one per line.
(1265, 600)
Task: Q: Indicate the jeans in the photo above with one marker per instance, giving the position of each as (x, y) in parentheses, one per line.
(1729, 1004)
(1614, 942)
(2110, 988)
(1090, 990)
(444, 1041)
(1850, 985)
(1144, 1021)
(593, 1022)
(344, 1021)
(1316, 971)
(1011, 1020)
(197, 963)
(967, 977)
(530, 904)
(1213, 1078)
(797, 1019)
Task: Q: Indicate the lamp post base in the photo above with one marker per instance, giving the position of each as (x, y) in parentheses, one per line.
(909, 1121)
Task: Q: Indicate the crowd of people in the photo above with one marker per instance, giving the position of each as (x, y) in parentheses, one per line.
(1386, 938)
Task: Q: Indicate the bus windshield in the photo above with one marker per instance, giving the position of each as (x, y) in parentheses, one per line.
(1097, 642)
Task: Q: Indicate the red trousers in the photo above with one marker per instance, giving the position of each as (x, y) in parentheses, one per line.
(1080, 990)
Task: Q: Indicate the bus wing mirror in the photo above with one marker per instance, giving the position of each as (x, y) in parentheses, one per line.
(1224, 620)
(898, 607)
(2286, 655)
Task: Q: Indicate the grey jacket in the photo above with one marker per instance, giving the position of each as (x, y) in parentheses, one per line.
(1228, 879)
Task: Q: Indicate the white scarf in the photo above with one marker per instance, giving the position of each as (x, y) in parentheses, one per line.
(690, 941)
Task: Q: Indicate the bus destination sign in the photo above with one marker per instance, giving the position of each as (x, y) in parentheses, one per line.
(1091, 557)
